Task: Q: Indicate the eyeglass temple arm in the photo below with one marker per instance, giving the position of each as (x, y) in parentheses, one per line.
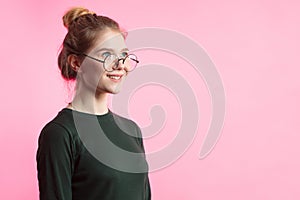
(133, 58)
(102, 61)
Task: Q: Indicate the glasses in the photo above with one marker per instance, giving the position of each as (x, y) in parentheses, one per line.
(111, 62)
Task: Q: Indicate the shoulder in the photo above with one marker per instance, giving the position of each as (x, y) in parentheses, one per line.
(54, 131)
(59, 128)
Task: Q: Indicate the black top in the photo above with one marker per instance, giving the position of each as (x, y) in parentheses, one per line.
(70, 169)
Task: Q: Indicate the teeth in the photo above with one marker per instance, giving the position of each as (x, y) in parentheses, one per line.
(115, 77)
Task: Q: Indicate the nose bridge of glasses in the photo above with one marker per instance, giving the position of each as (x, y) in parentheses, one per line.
(128, 62)
(122, 60)
(120, 63)
(115, 62)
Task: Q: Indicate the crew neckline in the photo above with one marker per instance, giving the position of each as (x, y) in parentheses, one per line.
(88, 114)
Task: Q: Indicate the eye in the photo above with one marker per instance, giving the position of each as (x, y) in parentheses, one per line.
(124, 54)
(105, 54)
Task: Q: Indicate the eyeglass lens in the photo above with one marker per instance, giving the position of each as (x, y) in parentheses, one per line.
(111, 62)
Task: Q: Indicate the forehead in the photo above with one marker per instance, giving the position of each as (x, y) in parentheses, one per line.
(110, 40)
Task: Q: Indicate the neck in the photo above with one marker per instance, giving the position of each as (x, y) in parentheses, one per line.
(88, 102)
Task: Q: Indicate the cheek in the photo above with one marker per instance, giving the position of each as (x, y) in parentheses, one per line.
(92, 72)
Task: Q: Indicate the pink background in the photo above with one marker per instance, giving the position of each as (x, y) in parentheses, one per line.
(255, 46)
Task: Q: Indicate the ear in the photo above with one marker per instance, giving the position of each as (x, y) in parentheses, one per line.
(74, 62)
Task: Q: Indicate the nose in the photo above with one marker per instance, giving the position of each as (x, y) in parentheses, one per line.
(119, 64)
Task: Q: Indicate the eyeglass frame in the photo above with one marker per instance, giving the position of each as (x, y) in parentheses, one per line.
(119, 59)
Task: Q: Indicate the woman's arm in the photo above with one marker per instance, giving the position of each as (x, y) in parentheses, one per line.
(147, 183)
(55, 163)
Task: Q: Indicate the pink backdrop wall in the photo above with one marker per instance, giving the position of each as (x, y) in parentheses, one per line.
(255, 47)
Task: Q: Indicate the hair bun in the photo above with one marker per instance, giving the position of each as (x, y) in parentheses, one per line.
(74, 13)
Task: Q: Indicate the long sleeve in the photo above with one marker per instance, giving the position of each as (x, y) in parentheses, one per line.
(55, 163)
(147, 182)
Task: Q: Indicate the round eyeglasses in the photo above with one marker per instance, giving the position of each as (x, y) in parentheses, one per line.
(111, 62)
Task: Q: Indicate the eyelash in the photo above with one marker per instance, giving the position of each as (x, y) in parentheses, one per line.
(104, 55)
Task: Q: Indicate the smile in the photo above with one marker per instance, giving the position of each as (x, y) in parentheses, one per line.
(114, 77)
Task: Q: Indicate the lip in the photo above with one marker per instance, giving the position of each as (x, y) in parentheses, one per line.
(114, 74)
(115, 80)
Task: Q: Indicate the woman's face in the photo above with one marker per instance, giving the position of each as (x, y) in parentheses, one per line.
(93, 76)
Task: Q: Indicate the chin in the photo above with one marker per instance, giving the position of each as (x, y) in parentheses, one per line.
(114, 90)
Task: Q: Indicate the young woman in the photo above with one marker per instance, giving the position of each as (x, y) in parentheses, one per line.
(69, 167)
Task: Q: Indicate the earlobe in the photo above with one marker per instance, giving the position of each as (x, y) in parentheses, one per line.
(73, 61)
